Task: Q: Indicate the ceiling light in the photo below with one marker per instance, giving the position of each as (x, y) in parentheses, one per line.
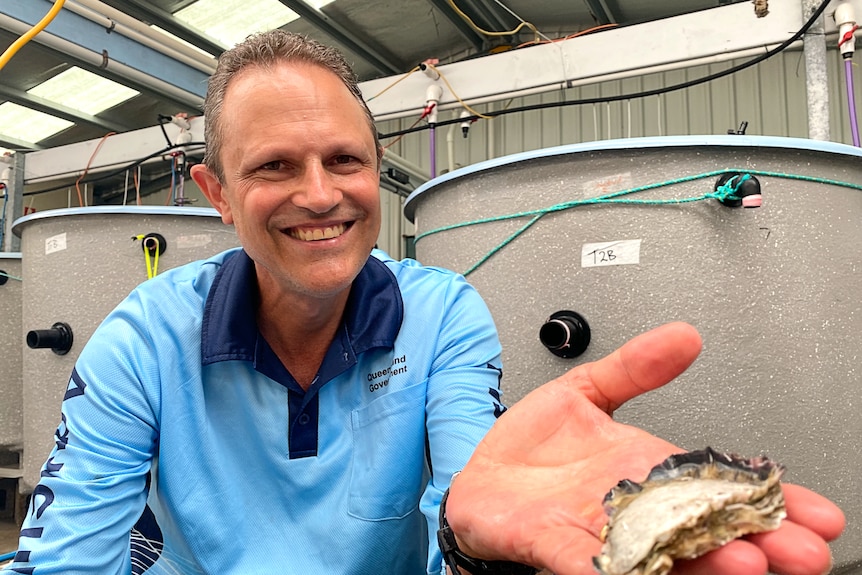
(84, 91)
(29, 125)
(230, 22)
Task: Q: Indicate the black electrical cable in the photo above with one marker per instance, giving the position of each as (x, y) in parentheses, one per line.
(134, 164)
(162, 121)
(768, 54)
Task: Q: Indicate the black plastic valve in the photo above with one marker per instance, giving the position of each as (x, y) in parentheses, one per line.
(565, 334)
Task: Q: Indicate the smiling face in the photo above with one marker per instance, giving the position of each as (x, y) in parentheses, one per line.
(301, 178)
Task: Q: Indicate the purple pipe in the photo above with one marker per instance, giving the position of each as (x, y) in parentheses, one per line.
(433, 132)
(851, 101)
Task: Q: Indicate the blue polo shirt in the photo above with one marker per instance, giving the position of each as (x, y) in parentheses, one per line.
(180, 420)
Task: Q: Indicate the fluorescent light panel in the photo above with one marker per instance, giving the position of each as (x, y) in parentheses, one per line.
(84, 91)
(28, 125)
(230, 22)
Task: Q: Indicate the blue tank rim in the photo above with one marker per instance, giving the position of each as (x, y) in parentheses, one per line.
(630, 143)
(112, 210)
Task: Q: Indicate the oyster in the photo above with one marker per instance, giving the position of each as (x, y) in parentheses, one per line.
(689, 504)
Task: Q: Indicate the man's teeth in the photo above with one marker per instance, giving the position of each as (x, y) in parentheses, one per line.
(309, 235)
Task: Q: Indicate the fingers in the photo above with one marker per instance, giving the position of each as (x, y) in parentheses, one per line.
(646, 362)
(799, 546)
(794, 550)
(814, 511)
(738, 557)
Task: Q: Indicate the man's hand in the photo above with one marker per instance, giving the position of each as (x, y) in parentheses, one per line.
(533, 490)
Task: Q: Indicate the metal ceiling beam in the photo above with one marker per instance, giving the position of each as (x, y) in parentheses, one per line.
(701, 40)
(382, 62)
(15, 144)
(77, 39)
(463, 28)
(61, 162)
(497, 19)
(47, 107)
(192, 102)
(147, 12)
(602, 12)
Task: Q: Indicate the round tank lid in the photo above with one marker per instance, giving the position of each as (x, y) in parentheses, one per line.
(634, 143)
(18, 224)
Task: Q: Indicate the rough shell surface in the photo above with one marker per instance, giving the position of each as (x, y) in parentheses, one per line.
(690, 504)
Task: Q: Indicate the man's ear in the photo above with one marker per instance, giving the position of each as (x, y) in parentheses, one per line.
(213, 190)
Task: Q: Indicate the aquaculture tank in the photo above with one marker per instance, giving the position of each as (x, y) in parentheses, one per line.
(78, 264)
(11, 387)
(756, 241)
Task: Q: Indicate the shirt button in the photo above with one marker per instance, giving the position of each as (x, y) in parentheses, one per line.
(304, 419)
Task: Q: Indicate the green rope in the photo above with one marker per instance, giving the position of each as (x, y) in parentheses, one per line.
(11, 277)
(725, 192)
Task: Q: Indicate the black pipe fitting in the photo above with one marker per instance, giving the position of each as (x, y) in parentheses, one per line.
(747, 193)
(154, 243)
(58, 338)
(565, 334)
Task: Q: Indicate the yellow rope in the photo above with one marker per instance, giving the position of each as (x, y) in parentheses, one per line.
(404, 77)
(457, 97)
(152, 265)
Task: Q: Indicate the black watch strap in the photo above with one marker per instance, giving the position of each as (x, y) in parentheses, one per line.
(455, 558)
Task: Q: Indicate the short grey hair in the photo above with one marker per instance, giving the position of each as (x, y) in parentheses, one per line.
(266, 49)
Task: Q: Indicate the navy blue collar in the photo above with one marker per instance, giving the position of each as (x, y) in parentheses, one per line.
(229, 332)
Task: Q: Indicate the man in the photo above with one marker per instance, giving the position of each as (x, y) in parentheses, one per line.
(300, 407)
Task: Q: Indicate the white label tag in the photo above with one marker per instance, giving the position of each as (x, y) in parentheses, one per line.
(193, 241)
(55, 243)
(619, 253)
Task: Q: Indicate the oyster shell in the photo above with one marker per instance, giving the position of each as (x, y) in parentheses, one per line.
(689, 504)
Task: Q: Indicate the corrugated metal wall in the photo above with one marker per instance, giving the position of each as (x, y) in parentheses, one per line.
(770, 96)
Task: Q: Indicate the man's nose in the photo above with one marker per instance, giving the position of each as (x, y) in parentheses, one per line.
(317, 191)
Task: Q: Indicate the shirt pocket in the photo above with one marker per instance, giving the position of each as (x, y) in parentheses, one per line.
(388, 455)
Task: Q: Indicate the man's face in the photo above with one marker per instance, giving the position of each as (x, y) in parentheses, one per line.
(301, 178)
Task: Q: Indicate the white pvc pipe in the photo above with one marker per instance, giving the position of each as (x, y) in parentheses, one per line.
(76, 51)
(816, 78)
(105, 15)
(491, 135)
(450, 146)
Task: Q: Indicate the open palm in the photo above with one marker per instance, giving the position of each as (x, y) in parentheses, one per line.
(533, 490)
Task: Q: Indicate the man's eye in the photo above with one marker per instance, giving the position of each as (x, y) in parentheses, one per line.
(274, 165)
(343, 159)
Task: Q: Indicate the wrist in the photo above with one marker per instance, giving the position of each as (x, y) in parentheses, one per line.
(460, 563)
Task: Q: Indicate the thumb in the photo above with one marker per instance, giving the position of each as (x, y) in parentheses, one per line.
(644, 363)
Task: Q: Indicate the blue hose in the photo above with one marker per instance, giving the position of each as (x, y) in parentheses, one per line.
(7, 556)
